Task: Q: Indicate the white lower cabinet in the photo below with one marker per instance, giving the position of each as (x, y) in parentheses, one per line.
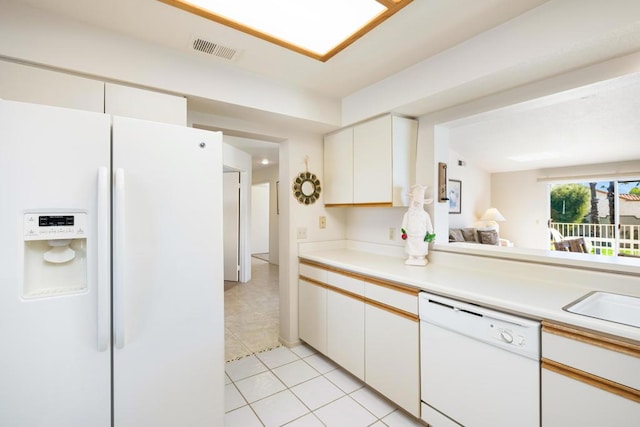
(569, 402)
(365, 325)
(392, 357)
(312, 318)
(345, 332)
(588, 380)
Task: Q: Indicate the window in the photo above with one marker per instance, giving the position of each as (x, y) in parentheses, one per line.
(605, 213)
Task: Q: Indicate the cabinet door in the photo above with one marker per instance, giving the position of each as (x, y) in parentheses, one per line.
(392, 362)
(372, 161)
(568, 402)
(39, 86)
(345, 332)
(338, 168)
(144, 104)
(312, 315)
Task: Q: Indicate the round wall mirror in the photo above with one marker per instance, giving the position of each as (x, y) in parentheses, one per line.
(306, 188)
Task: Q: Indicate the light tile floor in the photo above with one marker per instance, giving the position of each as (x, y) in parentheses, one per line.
(269, 385)
(251, 312)
(299, 388)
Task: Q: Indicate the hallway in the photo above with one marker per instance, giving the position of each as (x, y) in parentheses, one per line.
(251, 312)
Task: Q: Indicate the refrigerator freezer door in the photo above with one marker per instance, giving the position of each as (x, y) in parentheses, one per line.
(55, 371)
(168, 283)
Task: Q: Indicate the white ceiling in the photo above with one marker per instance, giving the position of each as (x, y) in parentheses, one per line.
(599, 123)
(258, 149)
(602, 119)
(419, 31)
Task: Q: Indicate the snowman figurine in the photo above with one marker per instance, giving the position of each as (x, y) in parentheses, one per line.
(417, 229)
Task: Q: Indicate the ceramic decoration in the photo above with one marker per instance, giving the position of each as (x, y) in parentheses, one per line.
(417, 230)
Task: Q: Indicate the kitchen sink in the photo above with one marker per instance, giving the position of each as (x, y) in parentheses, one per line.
(617, 308)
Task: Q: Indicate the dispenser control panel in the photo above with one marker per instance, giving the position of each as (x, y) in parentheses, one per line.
(55, 225)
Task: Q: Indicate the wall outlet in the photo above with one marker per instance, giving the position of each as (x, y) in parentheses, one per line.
(302, 233)
(392, 233)
(322, 222)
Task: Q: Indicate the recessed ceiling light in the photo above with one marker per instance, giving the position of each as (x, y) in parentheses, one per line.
(265, 161)
(316, 28)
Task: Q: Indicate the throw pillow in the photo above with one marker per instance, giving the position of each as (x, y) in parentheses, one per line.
(469, 234)
(488, 237)
(455, 235)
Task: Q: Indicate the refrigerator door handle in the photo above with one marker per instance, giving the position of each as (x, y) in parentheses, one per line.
(103, 286)
(118, 266)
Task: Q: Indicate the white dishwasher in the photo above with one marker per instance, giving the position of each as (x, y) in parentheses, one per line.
(478, 367)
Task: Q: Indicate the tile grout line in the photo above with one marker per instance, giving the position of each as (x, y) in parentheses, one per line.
(287, 388)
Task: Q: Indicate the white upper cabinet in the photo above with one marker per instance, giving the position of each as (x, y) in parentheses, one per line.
(145, 104)
(34, 85)
(338, 168)
(371, 163)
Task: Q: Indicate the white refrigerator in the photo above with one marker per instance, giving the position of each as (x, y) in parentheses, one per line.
(111, 286)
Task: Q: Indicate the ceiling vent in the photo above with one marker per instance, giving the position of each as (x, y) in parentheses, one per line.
(215, 49)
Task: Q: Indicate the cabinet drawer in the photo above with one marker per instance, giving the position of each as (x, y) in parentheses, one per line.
(346, 283)
(404, 300)
(600, 360)
(568, 402)
(311, 272)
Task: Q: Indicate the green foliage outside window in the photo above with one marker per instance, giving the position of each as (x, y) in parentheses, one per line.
(569, 203)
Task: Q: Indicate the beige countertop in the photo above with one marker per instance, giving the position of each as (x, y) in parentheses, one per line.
(530, 290)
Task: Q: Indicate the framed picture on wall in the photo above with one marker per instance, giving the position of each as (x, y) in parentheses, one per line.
(455, 196)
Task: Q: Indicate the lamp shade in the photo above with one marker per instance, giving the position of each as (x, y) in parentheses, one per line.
(492, 214)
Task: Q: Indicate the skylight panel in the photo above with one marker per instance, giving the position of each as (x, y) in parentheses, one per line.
(317, 28)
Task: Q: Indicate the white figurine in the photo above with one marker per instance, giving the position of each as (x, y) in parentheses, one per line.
(417, 229)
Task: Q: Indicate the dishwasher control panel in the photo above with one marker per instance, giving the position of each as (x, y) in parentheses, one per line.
(507, 335)
(509, 332)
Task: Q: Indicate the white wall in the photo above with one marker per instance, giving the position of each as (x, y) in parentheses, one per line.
(260, 218)
(270, 175)
(476, 191)
(293, 215)
(372, 225)
(524, 202)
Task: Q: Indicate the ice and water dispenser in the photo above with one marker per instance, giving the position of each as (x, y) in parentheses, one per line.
(55, 253)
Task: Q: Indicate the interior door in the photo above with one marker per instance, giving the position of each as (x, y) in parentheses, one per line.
(260, 218)
(168, 365)
(54, 372)
(231, 215)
